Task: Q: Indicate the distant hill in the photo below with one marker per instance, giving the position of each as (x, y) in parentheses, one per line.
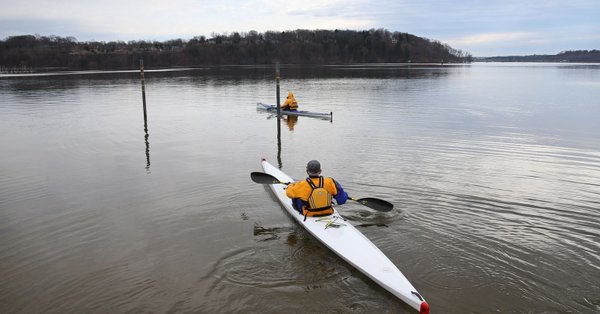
(584, 56)
(251, 48)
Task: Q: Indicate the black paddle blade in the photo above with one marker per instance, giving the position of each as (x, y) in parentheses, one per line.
(264, 178)
(375, 203)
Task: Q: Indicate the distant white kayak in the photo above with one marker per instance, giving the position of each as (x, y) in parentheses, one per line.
(351, 245)
(273, 108)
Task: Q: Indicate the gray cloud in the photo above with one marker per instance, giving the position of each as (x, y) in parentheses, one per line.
(568, 25)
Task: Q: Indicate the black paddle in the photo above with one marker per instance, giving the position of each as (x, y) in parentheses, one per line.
(374, 203)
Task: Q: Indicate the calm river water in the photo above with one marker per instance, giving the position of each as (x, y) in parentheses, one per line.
(494, 171)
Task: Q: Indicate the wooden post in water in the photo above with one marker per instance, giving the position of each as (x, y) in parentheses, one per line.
(279, 146)
(143, 90)
(278, 115)
(145, 116)
(277, 83)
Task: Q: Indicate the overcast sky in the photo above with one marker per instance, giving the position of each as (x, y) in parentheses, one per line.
(482, 28)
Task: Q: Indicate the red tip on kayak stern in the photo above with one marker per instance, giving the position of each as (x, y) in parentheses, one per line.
(424, 308)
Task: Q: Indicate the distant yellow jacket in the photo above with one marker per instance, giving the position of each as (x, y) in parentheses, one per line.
(290, 103)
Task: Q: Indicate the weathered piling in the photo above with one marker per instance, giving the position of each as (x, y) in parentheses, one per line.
(143, 89)
(145, 116)
(278, 115)
(277, 88)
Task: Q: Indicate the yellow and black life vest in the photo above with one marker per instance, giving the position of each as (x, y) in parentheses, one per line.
(319, 201)
(290, 102)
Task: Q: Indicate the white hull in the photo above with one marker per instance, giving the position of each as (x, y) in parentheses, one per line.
(351, 245)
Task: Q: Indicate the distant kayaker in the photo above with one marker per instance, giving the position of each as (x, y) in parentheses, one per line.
(290, 103)
(312, 197)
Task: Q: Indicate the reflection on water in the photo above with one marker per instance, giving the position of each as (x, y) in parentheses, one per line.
(291, 122)
(145, 115)
(267, 234)
(279, 162)
(306, 271)
(492, 169)
(147, 145)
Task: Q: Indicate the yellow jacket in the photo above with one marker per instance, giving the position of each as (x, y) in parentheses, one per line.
(302, 189)
(290, 102)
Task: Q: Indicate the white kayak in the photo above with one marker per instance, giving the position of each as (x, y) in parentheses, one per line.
(273, 108)
(351, 245)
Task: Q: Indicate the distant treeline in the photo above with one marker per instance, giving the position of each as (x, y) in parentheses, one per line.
(591, 56)
(251, 48)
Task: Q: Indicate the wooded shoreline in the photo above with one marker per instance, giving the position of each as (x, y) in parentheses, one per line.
(317, 47)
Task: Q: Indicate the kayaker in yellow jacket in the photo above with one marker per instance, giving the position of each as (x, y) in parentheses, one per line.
(290, 103)
(312, 197)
